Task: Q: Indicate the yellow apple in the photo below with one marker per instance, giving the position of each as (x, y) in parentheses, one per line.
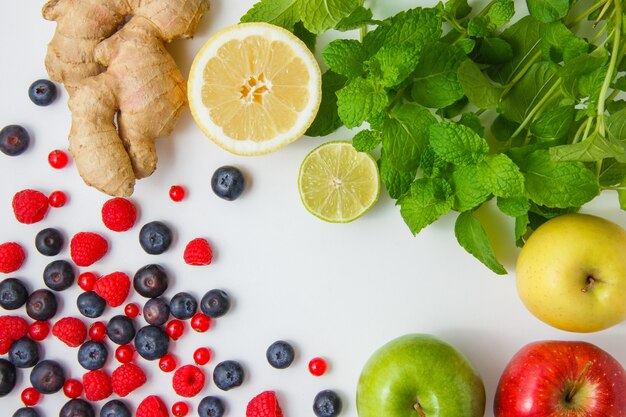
(571, 273)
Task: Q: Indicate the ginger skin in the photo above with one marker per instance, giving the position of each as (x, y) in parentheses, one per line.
(125, 73)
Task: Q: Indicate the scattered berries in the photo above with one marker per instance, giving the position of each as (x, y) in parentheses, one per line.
(113, 288)
(70, 330)
(12, 328)
(177, 193)
(8, 377)
(198, 252)
(98, 331)
(188, 381)
(13, 294)
(87, 280)
(115, 408)
(215, 303)
(30, 396)
(49, 242)
(47, 377)
(156, 311)
(202, 356)
(30, 206)
(131, 310)
(90, 304)
(155, 237)
(14, 140)
(180, 409)
(119, 214)
(41, 305)
(12, 257)
(87, 248)
(280, 354)
(211, 407)
(121, 329)
(200, 322)
(264, 405)
(97, 385)
(124, 353)
(58, 159)
(77, 407)
(72, 388)
(59, 275)
(317, 366)
(175, 329)
(57, 199)
(42, 92)
(152, 406)
(92, 355)
(228, 183)
(26, 412)
(228, 375)
(327, 404)
(39, 330)
(183, 306)
(151, 342)
(127, 378)
(24, 353)
(168, 363)
(150, 281)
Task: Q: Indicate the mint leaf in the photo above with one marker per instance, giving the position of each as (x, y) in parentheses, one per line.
(559, 43)
(594, 148)
(345, 57)
(467, 45)
(366, 140)
(283, 13)
(472, 237)
(320, 15)
(620, 83)
(577, 74)
(612, 174)
(513, 206)
(501, 176)
(309, 39)
(616, 125)
(396, 181)
(548, 10)
(392, 64)
(494, 51)
(502, 128)
(431, 165)
(477, 87)
(470, 187)
(435, 81)
(327, 119)
(360, 100)
(521, 227)
(457, 144)
(554, 123)
(501, 12)
(429, 199)
(480, 27)
(457, 9)
(473, 122)
(359, 17)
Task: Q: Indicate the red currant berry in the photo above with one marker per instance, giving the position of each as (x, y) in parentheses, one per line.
(180, 409)
(72, 388)
(124, 353)
(200, 322)
(39, 330)
(131, 310)
(57, 199)
(168, 363)
(177, 193)
(317, 366)
(57, 159)
(87, 280)
(175, 329)
(202, 356)
(98, 331)
(30, 396)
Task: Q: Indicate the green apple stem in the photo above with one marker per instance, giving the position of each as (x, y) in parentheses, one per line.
(419, 409)
(578, 383)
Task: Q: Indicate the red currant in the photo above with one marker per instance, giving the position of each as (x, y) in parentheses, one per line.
(87, 280)
(57, 159)
(98, 331)
(168, 363)
(30, 396)
(317, 366)
(39, 330)
(200, 322)
(57, 199)
(131, 310)
(177, 193)
(180, 409)
(175, 329)
(202, 356)
(124, 353)
(72, 388)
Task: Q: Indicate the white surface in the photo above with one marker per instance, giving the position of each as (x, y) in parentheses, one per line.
(337, 291)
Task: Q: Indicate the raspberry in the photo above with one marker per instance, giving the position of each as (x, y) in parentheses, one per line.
(97, 385)
(30, 206)
(113, 288)
(264, 405)
(188, 381)
(71, 331)
(152, 406)
(11, 257)
(87, 248)
(127, 378)
(11, 329)
(198, 252)
(119, 214)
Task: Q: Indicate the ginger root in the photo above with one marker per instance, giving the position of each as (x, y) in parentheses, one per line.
(125, 89)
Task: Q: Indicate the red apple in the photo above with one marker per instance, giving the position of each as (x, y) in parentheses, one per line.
(561, 379)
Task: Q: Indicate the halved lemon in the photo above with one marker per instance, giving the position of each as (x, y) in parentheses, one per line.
(254, 88)
(337, 183)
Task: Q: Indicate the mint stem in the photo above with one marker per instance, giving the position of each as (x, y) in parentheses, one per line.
(586, 13)
(547, 97)
(520, 74)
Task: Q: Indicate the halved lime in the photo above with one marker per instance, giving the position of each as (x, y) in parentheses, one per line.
(337, 183)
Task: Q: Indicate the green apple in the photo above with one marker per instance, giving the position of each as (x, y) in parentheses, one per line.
(571, 273)
(418, 375)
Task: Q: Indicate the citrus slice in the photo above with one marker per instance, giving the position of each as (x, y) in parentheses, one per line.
(254, 88)
(337, 183)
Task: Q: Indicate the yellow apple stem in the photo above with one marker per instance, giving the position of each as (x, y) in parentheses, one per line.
(419, 409)
(578, 383)
(590, 282)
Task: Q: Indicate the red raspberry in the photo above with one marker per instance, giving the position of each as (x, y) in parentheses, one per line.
(113, 288)
(119, 214)
(127, 378)
(264, 405)
(11, 329)
(97, 385)
(152, 406)
(188, 381)
(30, 206)
(87, 248)
(11, 257)
(198, 252)
(71, 331)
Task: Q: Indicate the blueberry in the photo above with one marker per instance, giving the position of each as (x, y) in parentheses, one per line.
(8, 376)
(280, 354)
(156, 311)
(49, 242)
(24, 353)
(228, 182)
(59, 275)
(77, 408)
(183, 306)
(13, 294)
(47, 377)
(90, 304)
(228, 375)
(41, 305)
(155, 237)
(121, 330)
(115, 408)
(14, 140)
(26, 412)
(150, 281)
(211, 407)
(215, 303)
(42, 92)
(327, 404)
(151, 342)
(92, 355)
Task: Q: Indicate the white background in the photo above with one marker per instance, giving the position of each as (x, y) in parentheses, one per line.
(336, 291)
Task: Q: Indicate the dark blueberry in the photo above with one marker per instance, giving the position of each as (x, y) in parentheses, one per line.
(13, 294)
(228, 375)
(183, 306)
(155, 237)
(14, 140)
(151, 342)
(156, 311)
(59, 275)
(92, 355)
(8, 376)
(47, 377)
(228, 182)
(77, 408)
(327, 404)
(42, 92)
(215, 303)
(115, 408)
(90, 304)
(280, 354)
(49, 242)
(150, 281)
(121, 329)
(24, 353)
(26, 412)
(41, 305)
(211, 407)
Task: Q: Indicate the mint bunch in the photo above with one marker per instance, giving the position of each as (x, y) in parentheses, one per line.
(466, 107)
